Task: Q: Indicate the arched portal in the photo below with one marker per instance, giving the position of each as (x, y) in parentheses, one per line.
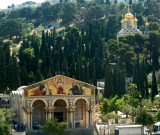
(80, 113)
(39, 115)
(60, 110)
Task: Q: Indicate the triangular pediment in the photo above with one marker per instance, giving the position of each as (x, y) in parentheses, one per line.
(59, 85)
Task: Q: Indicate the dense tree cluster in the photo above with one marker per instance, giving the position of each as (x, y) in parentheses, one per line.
(87, 52)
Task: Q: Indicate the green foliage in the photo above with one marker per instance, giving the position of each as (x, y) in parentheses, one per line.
(110, 105)
(11, 27)
(126, 109)
(109, 116)
(67, 13)
(54, 127)
(154, 86)
(108, 88)
(157, 116)
(144, 118)
(5, 121)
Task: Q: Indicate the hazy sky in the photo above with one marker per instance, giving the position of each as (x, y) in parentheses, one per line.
(4, 3)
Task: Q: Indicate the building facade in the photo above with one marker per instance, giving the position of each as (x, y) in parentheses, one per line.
(58, 97)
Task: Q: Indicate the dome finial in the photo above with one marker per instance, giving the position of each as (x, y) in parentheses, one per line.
(147, 24)
(128, 9)
(135, 15)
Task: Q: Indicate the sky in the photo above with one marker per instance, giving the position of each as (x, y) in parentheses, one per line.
(5, 3)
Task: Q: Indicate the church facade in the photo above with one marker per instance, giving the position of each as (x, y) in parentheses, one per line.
(129, 25)
(58, 97)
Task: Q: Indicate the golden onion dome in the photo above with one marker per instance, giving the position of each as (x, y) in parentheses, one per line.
(122, 21)
(129, 16)
(135, 20)
(147, 24)
(125, 20)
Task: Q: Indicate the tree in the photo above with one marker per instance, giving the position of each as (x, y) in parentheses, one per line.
(157, 116)
(126, 109)
(67, 13)
(11, 27)
(108, 88)
(5, 121)
(81, 1)
(154, 86)
(3, 75)
(144, 118)
(109, 116)
(53, 127)
(107, 2)
(130, 2)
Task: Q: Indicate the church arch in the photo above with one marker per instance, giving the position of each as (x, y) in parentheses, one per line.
(60, 111)
(39, 114)
(60, 99)
(45, 102)
(87, 102)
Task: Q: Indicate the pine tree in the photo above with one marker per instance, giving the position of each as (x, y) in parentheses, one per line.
(115, 1)
(108, 89)
(154, 86)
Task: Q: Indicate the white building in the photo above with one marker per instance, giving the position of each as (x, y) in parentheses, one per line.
(129, 25)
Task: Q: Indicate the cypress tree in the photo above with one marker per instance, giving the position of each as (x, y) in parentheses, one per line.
(130, 2)
(107, 1)
(108, 89)
(15, 70)
(65, 67)
(154, 86)
(94, 76)
(39, 76)
(3, 75)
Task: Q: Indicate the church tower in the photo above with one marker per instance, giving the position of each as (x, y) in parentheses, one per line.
(146, 32)
(129, 25)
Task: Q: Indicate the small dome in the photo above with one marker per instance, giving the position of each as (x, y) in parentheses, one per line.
(132, 22)
(21, 88)
(135, 20)
(147, 24)
(125, 20)
(129, 16)
(122, 21)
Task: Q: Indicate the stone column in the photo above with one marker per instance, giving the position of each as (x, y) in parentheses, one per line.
(46, 111)
(87, 116)
(91, 116)
(28, 120)
(31, 110)
(68, 111)
(72, 116)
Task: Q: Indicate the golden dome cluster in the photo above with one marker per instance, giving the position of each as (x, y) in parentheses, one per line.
(129, 16)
